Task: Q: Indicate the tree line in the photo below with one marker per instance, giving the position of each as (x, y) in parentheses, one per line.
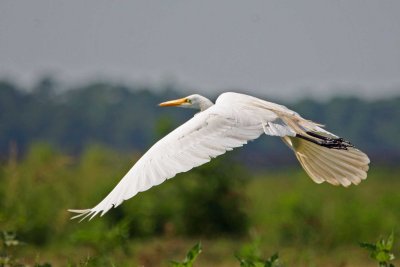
(127, 118)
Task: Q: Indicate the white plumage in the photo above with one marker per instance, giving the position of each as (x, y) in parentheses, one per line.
(232, 122)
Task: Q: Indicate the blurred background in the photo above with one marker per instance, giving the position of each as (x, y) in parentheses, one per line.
(79, 88)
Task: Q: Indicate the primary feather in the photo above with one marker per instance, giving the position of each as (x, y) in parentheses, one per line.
(234, 120)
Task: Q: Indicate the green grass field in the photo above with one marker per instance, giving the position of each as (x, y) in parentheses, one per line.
(222, 205)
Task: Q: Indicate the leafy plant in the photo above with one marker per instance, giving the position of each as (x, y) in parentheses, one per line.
(381, 251)
(190, 257)
(250, 254)
(272, 261)
(8, 240)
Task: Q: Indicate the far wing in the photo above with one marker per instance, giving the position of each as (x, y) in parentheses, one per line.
(277, 120)
(205, 136)
(343, 164)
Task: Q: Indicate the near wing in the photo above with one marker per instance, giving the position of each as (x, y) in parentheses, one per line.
(205, 136)
(234, 120)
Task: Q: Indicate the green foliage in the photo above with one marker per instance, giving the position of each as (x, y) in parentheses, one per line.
(214, 199)
(190, 257)
(272, 261)
(33, 191)
(381, 251)
(9, 243)
(250, 255)
(296, 211)
(282, 209)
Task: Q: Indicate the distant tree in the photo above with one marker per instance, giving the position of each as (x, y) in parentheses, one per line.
(127, 118)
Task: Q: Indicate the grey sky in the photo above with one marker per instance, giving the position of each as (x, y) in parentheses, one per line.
(277, 48)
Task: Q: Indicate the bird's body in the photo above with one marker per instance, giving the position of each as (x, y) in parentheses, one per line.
(234, 120)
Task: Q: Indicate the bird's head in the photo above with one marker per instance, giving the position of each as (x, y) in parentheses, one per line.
(193, 101)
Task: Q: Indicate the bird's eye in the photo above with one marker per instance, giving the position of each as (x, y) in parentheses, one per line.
(188, 101)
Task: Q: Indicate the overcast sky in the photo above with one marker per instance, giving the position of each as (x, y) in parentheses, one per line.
(277, 48)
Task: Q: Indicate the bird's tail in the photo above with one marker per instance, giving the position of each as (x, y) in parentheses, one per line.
(333, 160)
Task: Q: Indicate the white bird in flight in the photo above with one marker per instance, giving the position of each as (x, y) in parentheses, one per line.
(231, 122)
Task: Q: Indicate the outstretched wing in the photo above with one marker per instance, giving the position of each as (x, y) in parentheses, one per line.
(205, 136)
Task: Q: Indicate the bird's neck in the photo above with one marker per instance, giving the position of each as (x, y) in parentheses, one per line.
(205, 103)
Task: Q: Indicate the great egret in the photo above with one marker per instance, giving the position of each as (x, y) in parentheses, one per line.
(232, 122)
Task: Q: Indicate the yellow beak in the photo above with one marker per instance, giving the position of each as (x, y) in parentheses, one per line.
(172, 103)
